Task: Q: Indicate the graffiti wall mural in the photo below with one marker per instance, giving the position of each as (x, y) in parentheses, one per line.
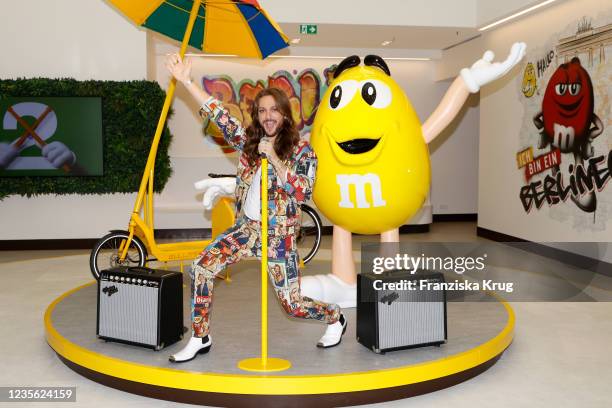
(564, 156)
(303, 88)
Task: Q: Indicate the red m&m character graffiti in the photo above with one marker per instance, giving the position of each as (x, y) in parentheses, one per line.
(568, 122)
(567, 111)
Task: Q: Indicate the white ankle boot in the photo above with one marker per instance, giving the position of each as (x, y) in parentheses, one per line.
(333, 333)
(194, 346)
(329, 289)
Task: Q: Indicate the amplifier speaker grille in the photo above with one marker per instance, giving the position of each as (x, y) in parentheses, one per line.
(395, 319)
(130, 314)
(140, 306)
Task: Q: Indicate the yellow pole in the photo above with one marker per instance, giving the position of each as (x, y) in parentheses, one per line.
(166, 107)
(148, 172)
(264, 364)
(150, 221)
(264, 262)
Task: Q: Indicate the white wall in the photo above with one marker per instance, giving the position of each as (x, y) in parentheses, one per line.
(82, 39)
(503, 111)
(454, 166)
(435, 13)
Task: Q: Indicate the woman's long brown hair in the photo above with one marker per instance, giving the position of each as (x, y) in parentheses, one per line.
(288, 135)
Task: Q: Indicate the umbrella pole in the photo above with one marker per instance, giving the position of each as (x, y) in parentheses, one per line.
(147, 177)
(263, 363)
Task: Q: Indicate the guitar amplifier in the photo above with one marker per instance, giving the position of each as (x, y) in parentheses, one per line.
(140, 306)
(398, 310)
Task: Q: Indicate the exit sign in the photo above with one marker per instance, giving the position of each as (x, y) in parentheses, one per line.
(308, 28)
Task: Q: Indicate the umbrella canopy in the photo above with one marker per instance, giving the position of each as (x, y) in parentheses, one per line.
(239, 27)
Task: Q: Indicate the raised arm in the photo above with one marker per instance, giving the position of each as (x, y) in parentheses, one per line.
(182, 72)
(471, 79)
(446, 110)
(232, 129)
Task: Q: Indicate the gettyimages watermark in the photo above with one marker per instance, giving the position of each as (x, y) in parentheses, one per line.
(486, 271)
(404, 261)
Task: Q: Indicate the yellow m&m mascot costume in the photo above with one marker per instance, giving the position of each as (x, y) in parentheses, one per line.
(373, 163)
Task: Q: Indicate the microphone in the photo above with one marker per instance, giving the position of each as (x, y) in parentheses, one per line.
(263, 155)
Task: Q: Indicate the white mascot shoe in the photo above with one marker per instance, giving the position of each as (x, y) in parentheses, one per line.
(333, 333)
(329, 289)
(194, 346)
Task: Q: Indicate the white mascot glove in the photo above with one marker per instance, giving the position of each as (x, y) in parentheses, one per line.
(58, 154)
(214, 188)
(484, 71)
(8, 153)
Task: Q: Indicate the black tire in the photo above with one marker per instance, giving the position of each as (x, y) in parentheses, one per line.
(308, 240)
(104, 254)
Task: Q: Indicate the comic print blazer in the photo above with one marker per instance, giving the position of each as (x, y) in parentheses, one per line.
(284, 200)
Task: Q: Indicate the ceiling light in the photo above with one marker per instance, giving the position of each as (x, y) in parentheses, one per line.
(304, 56)
(386, 42)
(520, 13)
(295, 40)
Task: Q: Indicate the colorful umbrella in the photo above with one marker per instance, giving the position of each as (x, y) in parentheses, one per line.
(239, 27)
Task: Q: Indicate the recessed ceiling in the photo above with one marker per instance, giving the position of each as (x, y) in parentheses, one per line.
(372, 36)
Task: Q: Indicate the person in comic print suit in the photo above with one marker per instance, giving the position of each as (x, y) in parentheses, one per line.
(290, 181)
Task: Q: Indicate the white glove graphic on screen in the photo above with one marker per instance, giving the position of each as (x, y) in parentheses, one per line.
(58, 154)
(8, 153)
(485, 70)
(215, 188)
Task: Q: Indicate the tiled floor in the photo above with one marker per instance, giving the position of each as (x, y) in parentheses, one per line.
(560, 356)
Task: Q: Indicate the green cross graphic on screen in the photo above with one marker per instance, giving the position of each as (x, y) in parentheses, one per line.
(51, 136)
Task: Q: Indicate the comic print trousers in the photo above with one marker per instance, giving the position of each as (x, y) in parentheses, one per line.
(240, 241)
